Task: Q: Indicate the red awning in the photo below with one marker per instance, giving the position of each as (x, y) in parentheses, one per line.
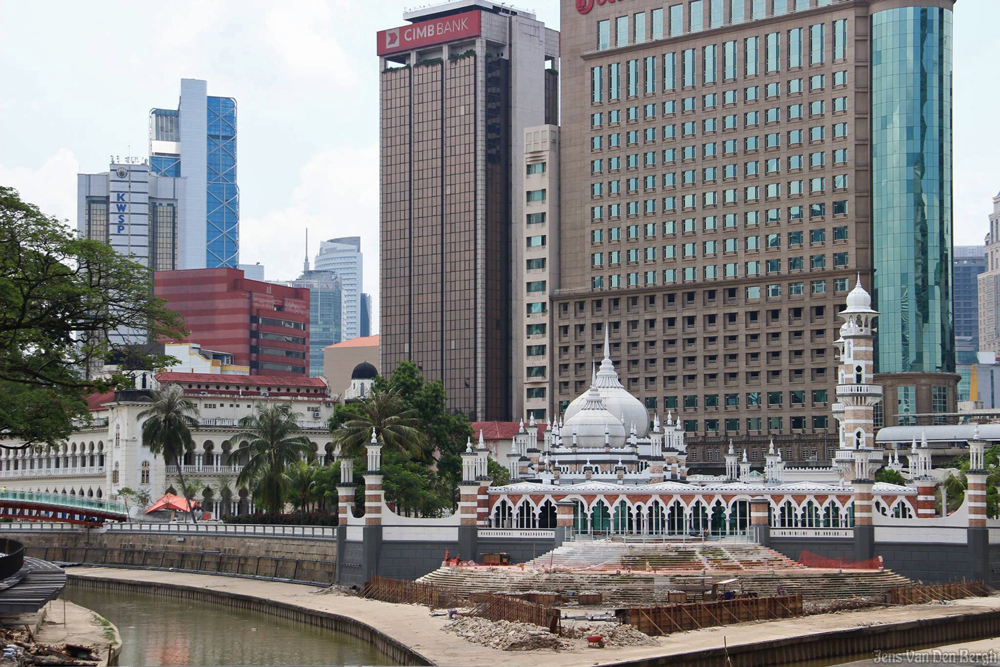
(172, 502)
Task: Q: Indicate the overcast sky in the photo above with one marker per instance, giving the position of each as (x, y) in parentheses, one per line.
(77, 81)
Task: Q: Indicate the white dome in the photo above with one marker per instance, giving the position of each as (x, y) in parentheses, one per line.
(589, 424)
(615, 398)
(859, 298)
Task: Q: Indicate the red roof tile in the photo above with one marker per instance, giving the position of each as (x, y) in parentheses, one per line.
(241, 380)
(501, 430)
(95, 401)
(363, 341)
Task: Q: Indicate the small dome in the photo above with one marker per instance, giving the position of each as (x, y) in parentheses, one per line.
(592, 421)
(616, 399)
(859, 298)
(364, 371)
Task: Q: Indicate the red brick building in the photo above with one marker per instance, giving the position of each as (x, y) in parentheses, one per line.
(264, 326)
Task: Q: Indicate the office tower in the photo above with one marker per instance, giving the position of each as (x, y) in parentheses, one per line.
(459, 85)
(718, 203)
(325, 313)
(197, 140)
(262, 325)
(343, 256)
(970, 261)
(138, 213)
(537, 276)
(366, 315)
(989, 286)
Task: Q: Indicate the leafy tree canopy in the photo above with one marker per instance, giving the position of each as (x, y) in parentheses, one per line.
(61, 298)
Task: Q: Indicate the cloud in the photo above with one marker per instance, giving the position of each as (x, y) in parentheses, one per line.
(301, 34)
(51, 187)
(337, 194)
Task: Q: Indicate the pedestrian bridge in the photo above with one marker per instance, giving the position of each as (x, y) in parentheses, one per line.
(34, 506)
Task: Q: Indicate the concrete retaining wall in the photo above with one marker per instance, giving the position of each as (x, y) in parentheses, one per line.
(793, 547)
(520, 550)
(930, 563)
(411, 560)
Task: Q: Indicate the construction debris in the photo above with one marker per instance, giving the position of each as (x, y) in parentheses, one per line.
(508, 636)
(20, 648)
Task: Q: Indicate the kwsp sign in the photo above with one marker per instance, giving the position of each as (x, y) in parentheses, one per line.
(121, 208)
(584, 6)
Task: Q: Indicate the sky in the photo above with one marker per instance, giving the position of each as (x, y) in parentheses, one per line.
(305, 77)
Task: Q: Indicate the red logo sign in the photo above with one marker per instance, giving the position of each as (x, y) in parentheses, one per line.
(429, 33)
(584, 6)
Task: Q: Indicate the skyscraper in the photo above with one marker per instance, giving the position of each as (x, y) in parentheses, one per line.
(325, 313)
(459, 85)
(719, 201)
(198, 141)
(989, 286)
(970, 261)
(343, 256)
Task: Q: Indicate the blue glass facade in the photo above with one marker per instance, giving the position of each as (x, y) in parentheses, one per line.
(223, 203)
(911, 123)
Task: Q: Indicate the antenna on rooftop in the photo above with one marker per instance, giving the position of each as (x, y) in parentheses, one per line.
(305, 264)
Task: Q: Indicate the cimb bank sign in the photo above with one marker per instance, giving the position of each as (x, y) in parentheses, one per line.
(429, 33)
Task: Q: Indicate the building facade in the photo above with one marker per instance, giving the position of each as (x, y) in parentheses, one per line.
(340, 360)
(717, 203)
(970, 261)
(107, 455)
(536, 274)
(459, 85)
(325, 313)
(263, 325)
(197, 140)
(989, 286)
(343, 257)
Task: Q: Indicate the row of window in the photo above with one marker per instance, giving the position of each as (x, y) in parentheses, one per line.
(691, 274)
(689, 177)
(709, 150)
(701, 15)
(817, 236)
(701, 66)
(730, 197)
(709, 101)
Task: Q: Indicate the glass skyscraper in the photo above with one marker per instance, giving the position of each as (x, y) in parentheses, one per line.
(198, 141)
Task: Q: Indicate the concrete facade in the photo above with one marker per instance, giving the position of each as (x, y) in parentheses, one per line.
(340, 360)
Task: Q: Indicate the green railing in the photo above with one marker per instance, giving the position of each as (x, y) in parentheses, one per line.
(67, 501)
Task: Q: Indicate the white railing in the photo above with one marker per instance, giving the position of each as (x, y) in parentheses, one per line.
(859, 389)
(324, 532)
(205, 469)
(52, 472)
(518, 533)
(40, 526)
(812, 532)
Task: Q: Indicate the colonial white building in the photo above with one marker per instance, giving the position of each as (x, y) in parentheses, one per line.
(107, 454)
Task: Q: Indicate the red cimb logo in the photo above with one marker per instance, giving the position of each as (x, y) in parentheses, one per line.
(584, 6)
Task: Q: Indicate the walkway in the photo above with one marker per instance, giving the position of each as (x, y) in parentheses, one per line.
(59, 508)
(412, 625)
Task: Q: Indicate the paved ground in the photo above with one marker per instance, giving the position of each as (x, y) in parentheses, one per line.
(67, 623)
(414, 626)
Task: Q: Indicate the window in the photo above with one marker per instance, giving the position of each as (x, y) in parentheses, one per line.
(632, 78)
(773, 52)
(603, 35)
(676, 20)
(839, 39)
(687, 64)
(669, 79)
(536, 308)
(536, 286)
(751, 49)
(840, 259)
(729, 60)
(536, 241)
(639, 27)
(596, 85)
(649, 84)
(816, 43)
(621, 31)
(536, 263)
(817, 286)
(794, 48)
(697, 15)
(144, 478)
(614, 81)
(708, 60)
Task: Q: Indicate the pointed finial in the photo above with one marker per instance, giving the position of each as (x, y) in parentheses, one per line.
(520, 427)
(468, 446)
(731, 451)
(913, 446)
(670, 417)
(923, 437)
(770, 449)
(744, 455)
(374, 440)
(593, 374)
(482, 440)
(975, 433)
(607, 347)
(632, 430)
(531, 420)
(859, 279)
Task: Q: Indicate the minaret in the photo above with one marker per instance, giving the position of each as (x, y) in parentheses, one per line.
(856, 392)
(732, 466)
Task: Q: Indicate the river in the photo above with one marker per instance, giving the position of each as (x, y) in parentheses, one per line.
(172, 631)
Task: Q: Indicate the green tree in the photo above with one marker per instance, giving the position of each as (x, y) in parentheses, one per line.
(167, 430)
(325, 480)
(496, 472)
(125, 494)
(890, 476)
(395, 425)
(273, 446)
(300, 483)
(142, 499)
(61, 298)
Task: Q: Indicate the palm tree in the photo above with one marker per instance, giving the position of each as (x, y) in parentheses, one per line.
(167, 430)
(273, 446)
(396, 426)
(301, 485)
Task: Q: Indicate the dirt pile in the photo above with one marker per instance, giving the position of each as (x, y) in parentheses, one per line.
(505, 635)
(615, 635)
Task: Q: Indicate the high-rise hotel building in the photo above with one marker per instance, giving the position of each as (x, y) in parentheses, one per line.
(460, 83)
(728, 167)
